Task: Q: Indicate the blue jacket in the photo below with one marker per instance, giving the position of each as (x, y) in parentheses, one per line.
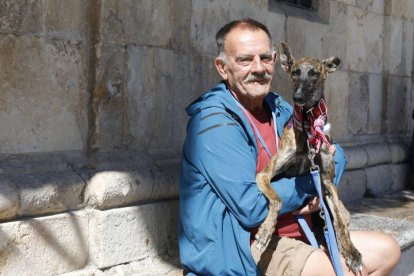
(219, 197)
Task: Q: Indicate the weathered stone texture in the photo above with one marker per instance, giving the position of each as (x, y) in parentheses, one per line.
(399, 104)
(43, 104)
(127, 21)
(375, 104)
(69, 17)
(305, 39)
(127, 234)
(337, 97)
(376, 6)
(44, 246)
(358, 103)
(400, 8)
(110, 189)
(333, 40)
(21, 16)
(49, 193)
(364, 41)
(353, 185)
(9, 200)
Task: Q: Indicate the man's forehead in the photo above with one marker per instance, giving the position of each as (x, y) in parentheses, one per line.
(243, 39)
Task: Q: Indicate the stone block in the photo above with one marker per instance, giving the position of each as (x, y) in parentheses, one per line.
(46, 98)
(399, 108)
(375, 107)
(378, 153)
(85, 272)
(151, 101)
(9, 200)
(109, 97)
(337, 98)
(49, 193)
(305, 38)
(348, 2)
(352, 186)
(70, 17)
(119, 188)
(258, 10)
(400, 176)
(379, 180)
(375, 6)
(20, 16)
(402, 8)
(364, 41)
(44, 246)
(203, 28)
(357, 157)
(358, 103)
(399, 152)
(127, 21)
(128, 234)
(148, 108)
(334, 40)
(401, 50)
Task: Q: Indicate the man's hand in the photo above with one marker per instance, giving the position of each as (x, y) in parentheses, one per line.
(310, 207)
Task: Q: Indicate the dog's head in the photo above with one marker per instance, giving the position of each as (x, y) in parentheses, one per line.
(308, 75)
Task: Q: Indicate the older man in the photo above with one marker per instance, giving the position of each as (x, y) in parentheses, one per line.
(233, 130)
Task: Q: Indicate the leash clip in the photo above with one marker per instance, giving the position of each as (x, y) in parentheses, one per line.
(311, 156)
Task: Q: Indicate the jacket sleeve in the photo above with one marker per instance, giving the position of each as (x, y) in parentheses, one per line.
(220, 149)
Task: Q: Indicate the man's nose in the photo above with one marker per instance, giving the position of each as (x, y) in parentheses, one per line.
(257, 65)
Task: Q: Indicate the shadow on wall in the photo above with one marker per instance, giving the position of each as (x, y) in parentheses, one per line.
(74, 212)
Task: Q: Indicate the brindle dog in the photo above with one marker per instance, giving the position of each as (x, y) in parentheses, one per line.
(308, 76)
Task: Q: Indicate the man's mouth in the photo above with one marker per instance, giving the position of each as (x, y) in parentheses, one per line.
(263, 79)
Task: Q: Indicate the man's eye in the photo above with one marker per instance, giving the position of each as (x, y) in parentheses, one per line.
(266, 59)
(244, 61)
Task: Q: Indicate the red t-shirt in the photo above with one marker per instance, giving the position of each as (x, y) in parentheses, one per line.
(287, 224)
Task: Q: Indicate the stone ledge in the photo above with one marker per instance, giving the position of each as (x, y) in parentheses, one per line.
(54, 183)
(374, 181)
(44, 246)
(362, 156)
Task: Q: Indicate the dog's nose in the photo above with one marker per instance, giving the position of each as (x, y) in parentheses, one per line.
(298, 96)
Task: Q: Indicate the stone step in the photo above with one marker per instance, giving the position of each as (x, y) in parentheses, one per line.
(392, 214)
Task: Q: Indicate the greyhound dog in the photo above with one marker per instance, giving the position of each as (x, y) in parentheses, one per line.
(302, 136)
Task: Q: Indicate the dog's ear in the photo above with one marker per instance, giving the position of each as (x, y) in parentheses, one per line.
(331, 64)
(285, 56)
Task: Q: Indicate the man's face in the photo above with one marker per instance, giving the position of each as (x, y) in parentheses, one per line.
(248, 66)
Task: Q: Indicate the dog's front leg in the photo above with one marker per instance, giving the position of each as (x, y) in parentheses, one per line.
(340, 215)
(275, 166)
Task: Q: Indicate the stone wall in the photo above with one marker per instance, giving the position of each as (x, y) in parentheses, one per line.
(92, 111)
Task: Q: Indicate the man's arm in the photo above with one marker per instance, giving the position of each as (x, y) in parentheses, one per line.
(221, 150)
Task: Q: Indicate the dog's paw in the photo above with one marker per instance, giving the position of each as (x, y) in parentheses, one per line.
(354, 261)
(263, 238)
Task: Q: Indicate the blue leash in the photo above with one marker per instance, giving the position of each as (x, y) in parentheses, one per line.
(328, 230)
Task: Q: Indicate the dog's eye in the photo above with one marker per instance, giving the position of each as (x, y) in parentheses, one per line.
(296, 73)
(313, 74)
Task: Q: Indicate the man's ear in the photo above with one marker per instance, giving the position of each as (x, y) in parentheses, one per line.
(286, 58)
(331, 64)
(221, 67)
